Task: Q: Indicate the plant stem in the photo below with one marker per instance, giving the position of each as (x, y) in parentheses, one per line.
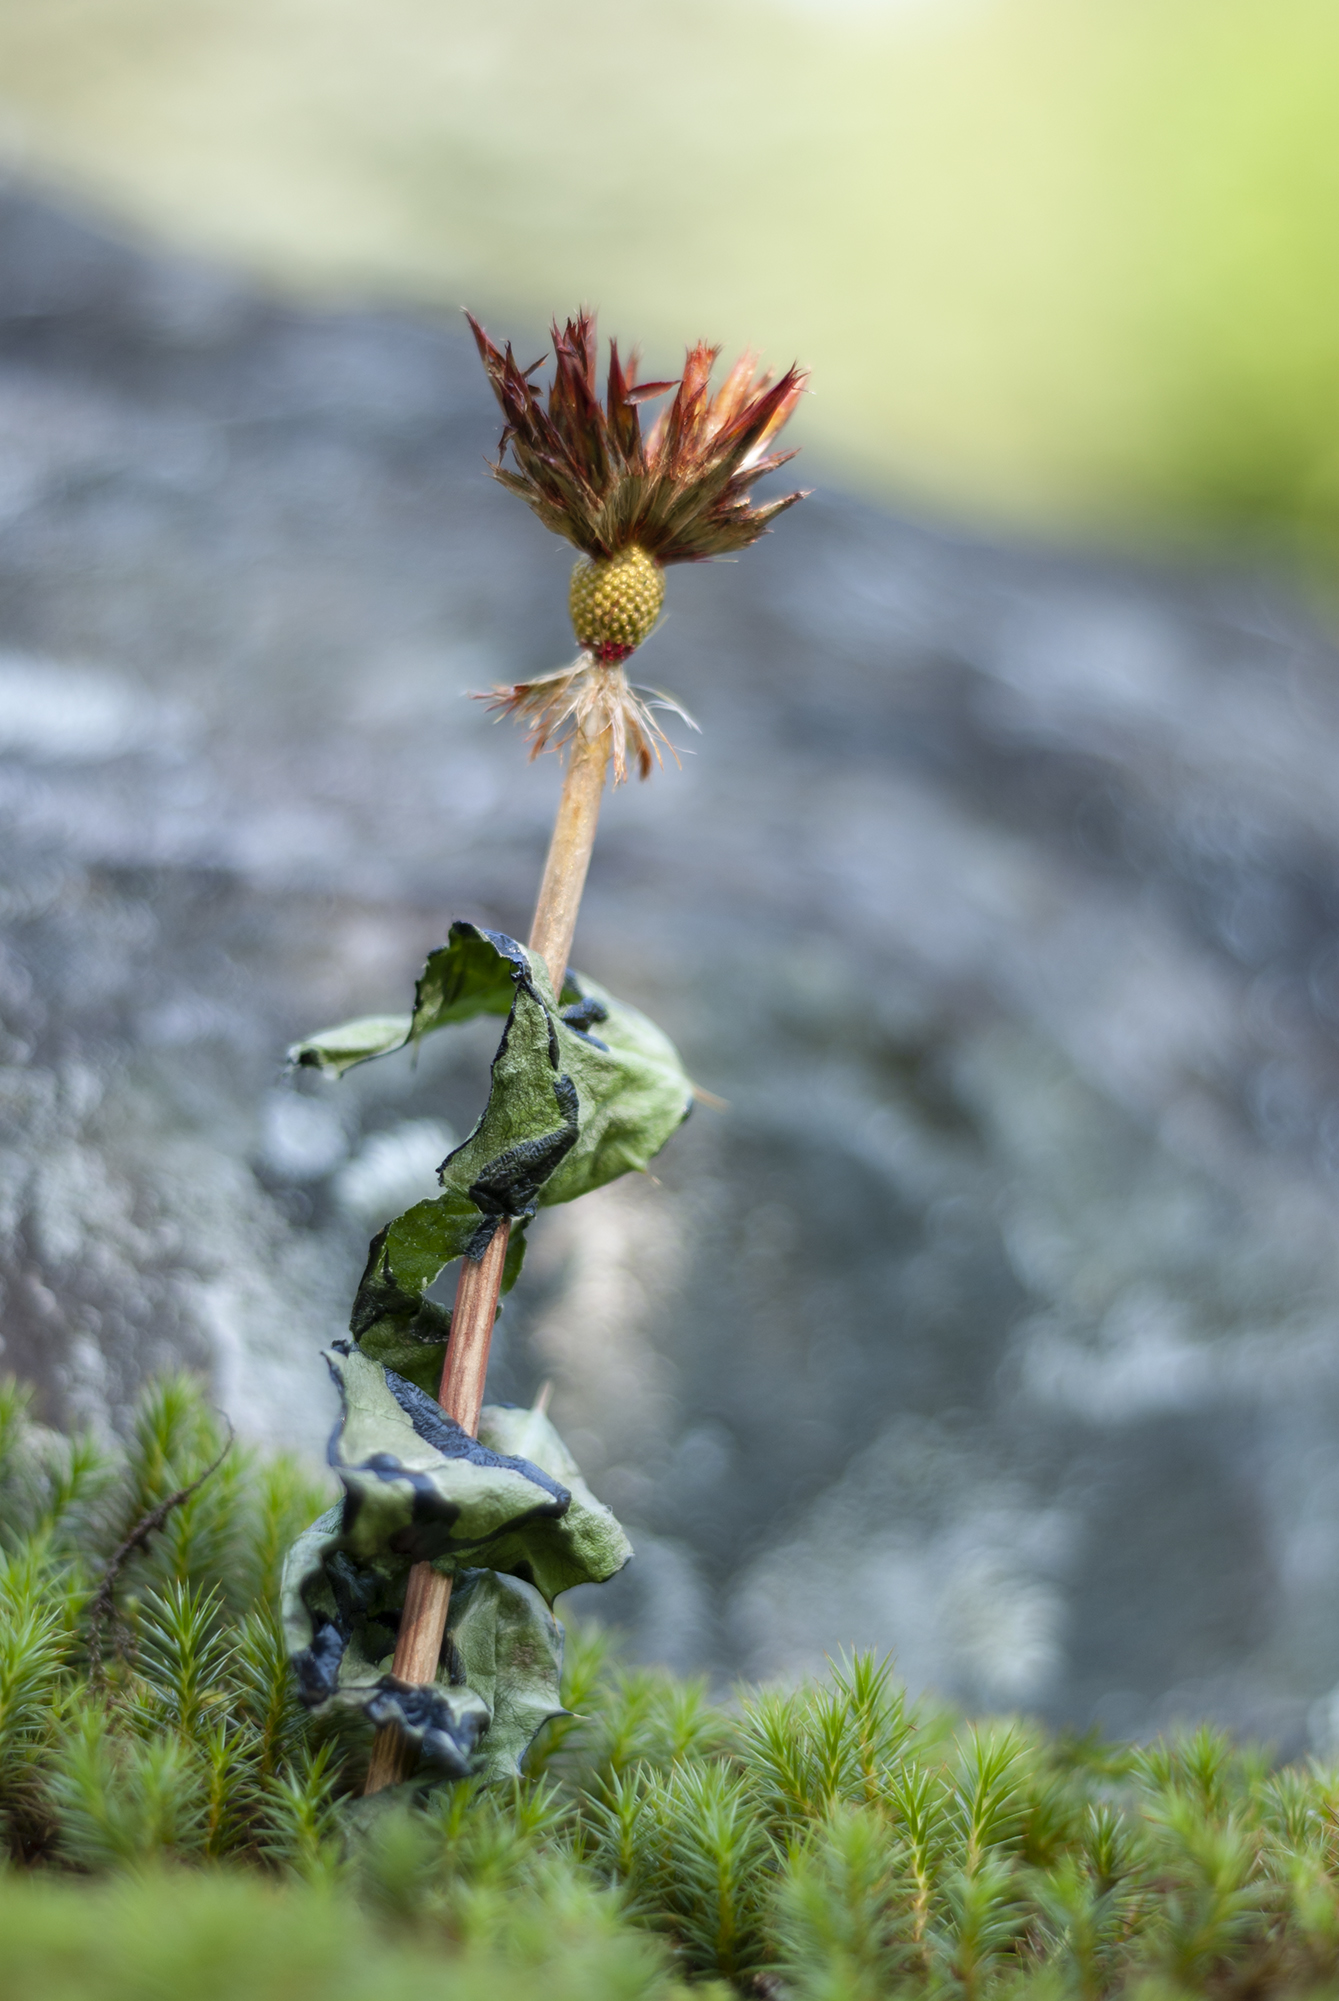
(569, 855)
(428, 1594)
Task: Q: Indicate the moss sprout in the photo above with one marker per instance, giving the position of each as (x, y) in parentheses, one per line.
(176, 1823)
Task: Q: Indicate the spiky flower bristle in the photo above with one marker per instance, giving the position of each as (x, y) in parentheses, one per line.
(615, 602)
(589, 698)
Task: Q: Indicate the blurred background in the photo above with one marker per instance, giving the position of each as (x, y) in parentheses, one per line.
(996, 1318)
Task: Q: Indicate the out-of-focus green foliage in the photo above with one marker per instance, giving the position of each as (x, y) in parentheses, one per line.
(175, 1826)
(1059, 259)
(221, 1936)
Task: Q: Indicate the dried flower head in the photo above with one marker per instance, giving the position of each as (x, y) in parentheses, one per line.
(681, 493)
(631, 503)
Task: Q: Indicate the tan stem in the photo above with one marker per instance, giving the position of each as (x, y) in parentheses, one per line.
(569, 855)
(418, 1646)
(428, 1594)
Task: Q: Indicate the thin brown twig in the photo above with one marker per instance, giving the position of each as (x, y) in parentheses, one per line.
(418, 1644)
(102, 1605)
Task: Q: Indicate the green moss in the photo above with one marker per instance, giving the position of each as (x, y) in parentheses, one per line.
(222, 1936)
(177, 1826)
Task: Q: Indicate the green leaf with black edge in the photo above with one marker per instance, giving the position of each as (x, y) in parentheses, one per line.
(579, 1095)
(416, 1484)
(340, 1622)
(418, 1488)
(467, 976)
(509, 1647)
(336, 1050)
(592, 1546)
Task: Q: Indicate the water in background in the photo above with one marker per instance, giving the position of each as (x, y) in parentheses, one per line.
(994, 1321)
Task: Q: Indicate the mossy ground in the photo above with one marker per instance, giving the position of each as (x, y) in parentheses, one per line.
(176, 1827)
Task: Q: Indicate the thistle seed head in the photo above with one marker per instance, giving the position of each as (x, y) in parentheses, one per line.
(681, 492)
(615, 602)
(631, 502)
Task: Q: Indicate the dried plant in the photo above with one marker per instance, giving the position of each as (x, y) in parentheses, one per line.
(632, 503)
(567, 1111)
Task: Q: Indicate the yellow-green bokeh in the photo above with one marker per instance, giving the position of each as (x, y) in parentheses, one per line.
(1072, 262)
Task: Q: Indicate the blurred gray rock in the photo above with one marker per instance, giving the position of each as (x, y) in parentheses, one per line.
(996, 1320)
